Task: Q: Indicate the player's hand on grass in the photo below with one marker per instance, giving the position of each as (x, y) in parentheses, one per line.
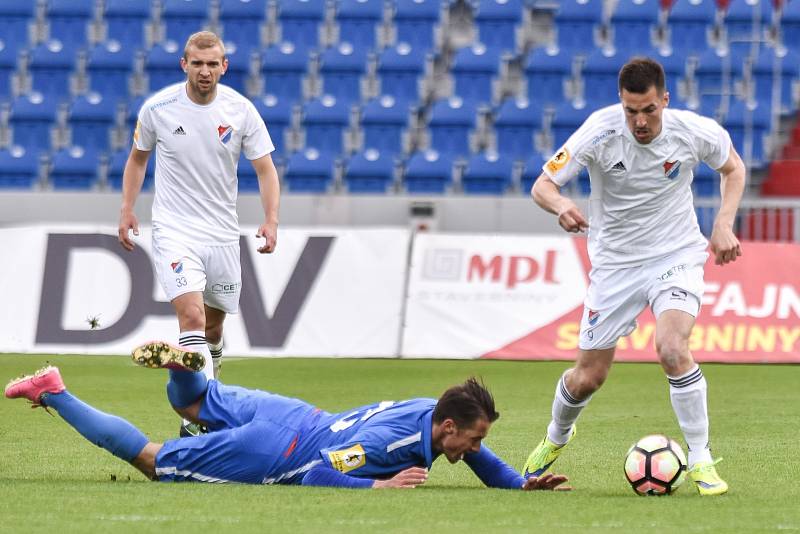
(724, 245)
(269, 231)
(571, 219)
(407, 478)
(548, 481)
(127, 222)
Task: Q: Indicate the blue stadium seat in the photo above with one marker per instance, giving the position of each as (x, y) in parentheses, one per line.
(487, 174)
(126, 19)
(182, 18)
(19, 168)
(247, 179)
(764, 77)
(163, 66)
(32, 117)
(689, 22)
(546, 74)
(370, 171)
(74, 168)
(744, 23)
(474, 68)
(283, 67)
(90, 118)
(8, 64)
(674, 68)
(566, 120)
(575, 23)
(309, 171)
(415, 20)
(238, 66)
(790, 24)
(68, 20)
(51, 65)
(399, 70)
(530, 172)
(713, 74)
(450, 123)
(341, 69)
(737, 119)
(632, 22)
(16, 17)
(358, 21)
(277, 115)
(324, 122)
(497, 22)
(241, 21)
(428, 173)
(300, 22)
(383, 121)
(600, 77)
(109, 66)
(134, 105)
(116, 167)
(515, 125)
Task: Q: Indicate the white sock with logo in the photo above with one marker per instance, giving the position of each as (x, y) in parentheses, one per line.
(216, 356)
(566, 410)
(688, 393)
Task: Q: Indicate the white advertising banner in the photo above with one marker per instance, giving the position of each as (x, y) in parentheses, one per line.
(470, 295)
(324, 292)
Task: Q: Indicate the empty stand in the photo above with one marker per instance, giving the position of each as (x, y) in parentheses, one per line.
(428, 173)
(370, 171)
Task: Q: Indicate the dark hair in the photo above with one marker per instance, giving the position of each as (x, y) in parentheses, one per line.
(465, 404)
(640, 74)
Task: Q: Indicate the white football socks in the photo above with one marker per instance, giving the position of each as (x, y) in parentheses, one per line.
(566, 410)
(196, 341)
(688, 393)
(216, 357)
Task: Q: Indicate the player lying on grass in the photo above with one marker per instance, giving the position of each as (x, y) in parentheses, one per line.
(257, 437)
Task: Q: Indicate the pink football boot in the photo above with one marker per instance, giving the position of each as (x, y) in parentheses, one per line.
(32, 387)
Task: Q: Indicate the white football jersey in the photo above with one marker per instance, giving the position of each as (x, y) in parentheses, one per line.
(641, 205)
(197, 153)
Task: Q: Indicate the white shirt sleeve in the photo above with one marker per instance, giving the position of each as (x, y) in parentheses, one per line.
(713, 143)
(144, 136)
(256, 142)
(576, 154)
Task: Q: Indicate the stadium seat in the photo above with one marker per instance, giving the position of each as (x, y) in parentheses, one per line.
(451, 121)
(530, 172)
(741, 120)
(575, 23)
(51, 66)
(309, 171)
(74, 168)
(370, 171)
(415, 20)
(474, 69)
(358, 21)
(125, 21)
(600, 77)
(17, 17)
(782, 179)
(163, 66)
(546, 73)
(632, 22)
(182, 18)
(515, 125)
(277, 115)
(428, 173)
(109, 66)
(300, 22)
(238, 66)
(566, 120)
(32, 117)
(744, 23)
(247, 179)
(19, 168)
(764, 76)
(341, 69)
(324, 122)
(399, 70)
(241, 21)
(689, 22)
(487, 174)
(90, 118)
(283, 67)
(8, 64)
(674, 69)
(383, 121)
(790, 24)
(116, 167)
(713, 74)
(68, 20)
(497, 22)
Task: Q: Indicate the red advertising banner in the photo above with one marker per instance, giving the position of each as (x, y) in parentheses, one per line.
(750, 314)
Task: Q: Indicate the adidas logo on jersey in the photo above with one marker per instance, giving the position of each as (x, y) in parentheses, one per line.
(619, 166)
(179, 131)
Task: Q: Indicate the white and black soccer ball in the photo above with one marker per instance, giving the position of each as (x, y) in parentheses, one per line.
(655, 465)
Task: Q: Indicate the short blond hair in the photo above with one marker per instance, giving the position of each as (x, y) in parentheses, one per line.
(202, 40)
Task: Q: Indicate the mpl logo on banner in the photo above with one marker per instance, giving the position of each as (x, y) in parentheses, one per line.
(468, 295)
(324, 292)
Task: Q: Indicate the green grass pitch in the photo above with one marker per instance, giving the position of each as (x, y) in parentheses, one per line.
(53, 480)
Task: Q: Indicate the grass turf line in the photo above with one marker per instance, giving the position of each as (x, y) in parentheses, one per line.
(51, 478)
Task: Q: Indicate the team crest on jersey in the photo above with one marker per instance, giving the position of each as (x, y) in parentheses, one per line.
(177, 266)
(671, 169)
(225, 133)
(557, 162)
(348, 459)
(594, 315)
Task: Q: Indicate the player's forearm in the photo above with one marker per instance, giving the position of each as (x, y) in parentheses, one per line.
(493, 471)
(731, 191)
(328, 477)
(132, 180)
(547, 195)
(269, 187)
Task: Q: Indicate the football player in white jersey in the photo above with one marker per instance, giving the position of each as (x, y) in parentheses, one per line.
(645, 247)
(198, 128)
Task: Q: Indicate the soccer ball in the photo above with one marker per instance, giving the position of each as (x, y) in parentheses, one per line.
(655, 465)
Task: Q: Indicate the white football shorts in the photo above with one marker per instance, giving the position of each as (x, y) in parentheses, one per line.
(214, 270)
(616, 297)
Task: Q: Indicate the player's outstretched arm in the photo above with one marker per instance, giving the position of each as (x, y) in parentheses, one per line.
(495, 473)
(132, 180)
(724, 244)
(548, 481)
(323, 475)
(269, 187)
(547, 195)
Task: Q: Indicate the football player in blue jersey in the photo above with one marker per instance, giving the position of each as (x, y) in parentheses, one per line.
(257, 437)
